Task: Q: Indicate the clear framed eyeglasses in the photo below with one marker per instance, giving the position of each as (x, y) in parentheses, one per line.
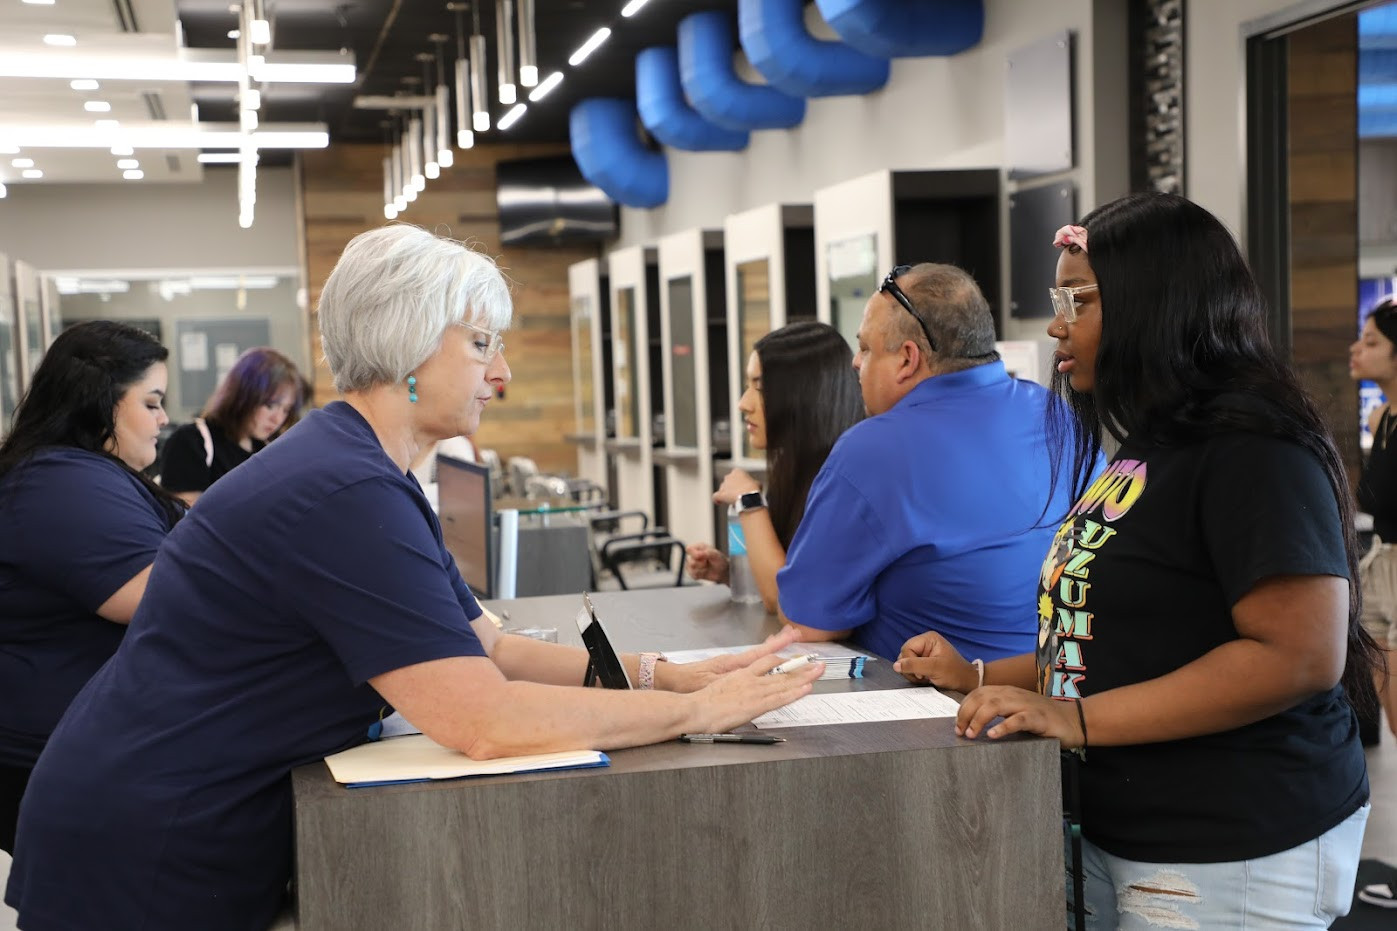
(487, 343)
(1065, 300)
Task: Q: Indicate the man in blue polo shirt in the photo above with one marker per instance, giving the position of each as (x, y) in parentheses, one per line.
(933, 513)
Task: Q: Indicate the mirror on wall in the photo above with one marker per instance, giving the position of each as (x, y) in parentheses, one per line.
(754, 321)
(852, 266)
(624, 352)
(681, 333)
(582, 361)
(9, 350)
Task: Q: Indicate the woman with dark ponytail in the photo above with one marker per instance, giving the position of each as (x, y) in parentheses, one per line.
(1199, 636)
(802, 394)
(81, 525)
(1374, 356)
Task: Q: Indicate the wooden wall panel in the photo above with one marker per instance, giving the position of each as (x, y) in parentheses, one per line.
(343, 196)
(1323, 155)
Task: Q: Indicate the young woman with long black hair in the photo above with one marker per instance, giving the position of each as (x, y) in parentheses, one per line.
(802, 394)
(81, 527)
(1199, 632)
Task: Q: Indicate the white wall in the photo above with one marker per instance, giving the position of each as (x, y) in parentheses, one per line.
(152, 226)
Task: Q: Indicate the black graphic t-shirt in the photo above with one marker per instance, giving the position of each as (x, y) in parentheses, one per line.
(1140, 581)
(1377, 489)
(184, 461)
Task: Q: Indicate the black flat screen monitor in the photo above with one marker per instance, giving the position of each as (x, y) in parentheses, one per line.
(464, 505)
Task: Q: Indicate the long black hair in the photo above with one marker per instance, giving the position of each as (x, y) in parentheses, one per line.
(1184, 355)
(810, 396)
(72, 399)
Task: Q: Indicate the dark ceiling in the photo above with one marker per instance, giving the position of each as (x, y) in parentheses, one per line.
(386, 37)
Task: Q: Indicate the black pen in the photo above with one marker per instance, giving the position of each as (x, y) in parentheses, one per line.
(730, 739)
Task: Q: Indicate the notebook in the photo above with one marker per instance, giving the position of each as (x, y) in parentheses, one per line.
(417, 758)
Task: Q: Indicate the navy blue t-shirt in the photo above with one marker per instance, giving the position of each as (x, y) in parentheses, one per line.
(164, 796)
(77, 527)
(930, 517)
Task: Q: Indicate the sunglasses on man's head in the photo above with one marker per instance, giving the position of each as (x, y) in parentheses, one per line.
(890, 286)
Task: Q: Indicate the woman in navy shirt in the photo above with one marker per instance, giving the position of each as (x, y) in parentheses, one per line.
(308, 589)
(81, 527)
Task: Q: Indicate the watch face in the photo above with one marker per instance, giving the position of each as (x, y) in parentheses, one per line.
(752, 499)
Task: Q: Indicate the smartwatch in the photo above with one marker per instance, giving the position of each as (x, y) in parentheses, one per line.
(751, 501)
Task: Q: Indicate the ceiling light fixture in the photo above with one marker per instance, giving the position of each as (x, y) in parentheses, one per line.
(123, 150)
(84, 84)
(504, 50)
(33, 173)
(441, 105)
(545, 88)
(430, 167)
(23, 163)
(9, 150)
(126, 164)
(135, 58)
(97, 106)
(417, 180)
(512, 117)
(219, 158)
(590, 46)
(632, 8)
(465, 137)
(39, 2)
(60, 39)
(3, 192)
(528, 45)
(106, 126)
(163, 135)
(480, 86)
(133, 174)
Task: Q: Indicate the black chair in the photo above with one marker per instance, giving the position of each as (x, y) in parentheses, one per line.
(643, 552)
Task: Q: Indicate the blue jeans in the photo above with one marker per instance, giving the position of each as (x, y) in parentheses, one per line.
(1308, 886)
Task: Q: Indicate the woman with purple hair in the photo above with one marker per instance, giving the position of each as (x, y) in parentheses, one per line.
(259, 394)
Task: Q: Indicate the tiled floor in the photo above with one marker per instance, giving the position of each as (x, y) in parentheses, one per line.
(1380, 842)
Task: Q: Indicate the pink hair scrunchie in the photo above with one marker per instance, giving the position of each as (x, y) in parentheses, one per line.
(1071, 236)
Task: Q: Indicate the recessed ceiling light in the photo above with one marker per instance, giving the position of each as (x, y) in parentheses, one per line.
(590, 46)
(39, 2)
(122, 150)
(128, 163)
(219, 158)
(33, 173)
(512, 117)
(58, 38)
(97, 106)
(6, 149)
(3, 192)
(133, 174)
(234, 33)
(83, 84)
(550, 82)
(23, 163)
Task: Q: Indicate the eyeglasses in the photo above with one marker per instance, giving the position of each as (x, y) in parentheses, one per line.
(1065, 301)
(487, 344)
(890, 285)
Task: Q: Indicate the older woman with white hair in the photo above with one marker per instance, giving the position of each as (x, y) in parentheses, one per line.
(309, 590)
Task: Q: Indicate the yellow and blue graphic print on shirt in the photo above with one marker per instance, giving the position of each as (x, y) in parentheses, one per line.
(1064, 597)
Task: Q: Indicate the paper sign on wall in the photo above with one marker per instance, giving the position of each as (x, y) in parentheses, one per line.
(194, 351)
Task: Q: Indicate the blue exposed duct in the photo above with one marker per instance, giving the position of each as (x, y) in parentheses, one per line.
(906, 28)
(610, 155)
(705, 68)
(664, 111)
(792, 60)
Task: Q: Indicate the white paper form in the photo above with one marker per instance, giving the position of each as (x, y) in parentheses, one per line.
(854, 707)
(828, 651)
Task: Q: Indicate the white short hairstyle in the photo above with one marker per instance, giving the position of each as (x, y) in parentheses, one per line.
(392, 295)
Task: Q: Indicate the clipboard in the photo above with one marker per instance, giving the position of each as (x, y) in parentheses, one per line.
(603, 662)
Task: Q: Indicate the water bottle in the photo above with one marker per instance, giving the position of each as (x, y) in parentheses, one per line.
(740, 579)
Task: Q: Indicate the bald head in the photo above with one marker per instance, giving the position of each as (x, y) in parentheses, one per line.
(949, 301)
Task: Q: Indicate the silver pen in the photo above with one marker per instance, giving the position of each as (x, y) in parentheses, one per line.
(791, 665)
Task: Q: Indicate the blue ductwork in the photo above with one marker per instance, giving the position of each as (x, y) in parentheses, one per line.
(906, 28)
(717, 93)
(793, 61)
(609, 153)
(660, 99)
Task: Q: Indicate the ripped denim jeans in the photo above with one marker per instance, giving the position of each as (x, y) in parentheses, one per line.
(1308, 886)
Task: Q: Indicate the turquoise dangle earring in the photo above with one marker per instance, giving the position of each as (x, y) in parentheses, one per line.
(412, 388)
